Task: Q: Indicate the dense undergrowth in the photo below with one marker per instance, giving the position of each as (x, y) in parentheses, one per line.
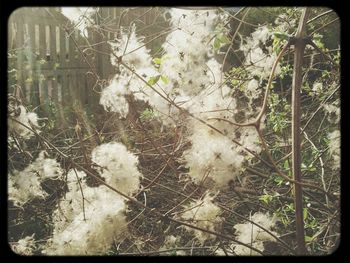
(182, 158)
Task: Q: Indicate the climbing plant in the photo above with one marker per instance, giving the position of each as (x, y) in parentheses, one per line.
(224, 142)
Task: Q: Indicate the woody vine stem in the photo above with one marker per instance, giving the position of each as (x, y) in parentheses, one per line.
(299, 47)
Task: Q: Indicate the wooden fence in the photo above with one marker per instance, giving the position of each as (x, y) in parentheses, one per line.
(46, 62)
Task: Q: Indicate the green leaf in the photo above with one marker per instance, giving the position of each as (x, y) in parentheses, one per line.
(217, 44)
(42, 61)
(153, 80)
(224, 39)
(157, 61)
(305, 213)
(308, 239)
(279, 180)
(281, 36)
(289, 207)
(147, 114)
(164, 79)
(312, 169)
(265, 198)
(313, 223)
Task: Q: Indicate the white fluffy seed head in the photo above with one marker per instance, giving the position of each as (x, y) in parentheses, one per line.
(253, 235)
(212, 155)
(172, 242)
(332, 112)
(88, 230)
(27, 118)
(204, 214)
(24, 246)
(334, 148)
(131, 48)
(23, 186)
(112, 98)
(118, 166)
(254, 55)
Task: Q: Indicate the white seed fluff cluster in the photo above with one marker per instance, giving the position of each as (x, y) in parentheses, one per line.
(286, 24)
(133, 52)
(334, 148)
(260, 62)
(90, 229)
(130, 47)
(187, 50)
(77, 15)
(333, 112)
(23, 186)
(171, 243)
(253, 235)
(195, 78)
(24, 246)
(89, 220)
(204, 214)
(112, 98)
(194, 82)
(317, 88)
(118, 166)
(212, 155)
(27, 118)
(253, 90)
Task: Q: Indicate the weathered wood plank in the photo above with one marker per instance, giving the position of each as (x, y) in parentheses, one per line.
(53, 54)
(42, 44)
(62, 48)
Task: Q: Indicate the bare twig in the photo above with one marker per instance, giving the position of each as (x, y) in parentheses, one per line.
(322, 166)
(319, 16)
(82, 192)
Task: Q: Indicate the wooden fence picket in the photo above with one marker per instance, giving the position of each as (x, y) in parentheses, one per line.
(51, 67)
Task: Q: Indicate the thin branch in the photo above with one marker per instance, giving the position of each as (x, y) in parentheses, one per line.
(82, 192)
(322, 166)
(320, 107)
(319, 16)
(322, 27)
(310, 42)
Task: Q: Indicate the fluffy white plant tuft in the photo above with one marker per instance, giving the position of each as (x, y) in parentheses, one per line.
(89, 219)
(78, 15)
(24, 246)
(259, 61)
(23, 186)
(133, 52)
(118, 166)
(317, 88)
(212, 155)
(195, 76)
(332, 112)
(112, 98)
(27, 118)
(171, 243)
(204, 214)
(130, 47)
(90, 229)
(253, 235)
(334, 148)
